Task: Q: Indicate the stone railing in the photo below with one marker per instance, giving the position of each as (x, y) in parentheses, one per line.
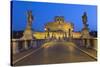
(88, 43)
(18, 45)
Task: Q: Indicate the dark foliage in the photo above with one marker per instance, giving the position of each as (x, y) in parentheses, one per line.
(17, 34)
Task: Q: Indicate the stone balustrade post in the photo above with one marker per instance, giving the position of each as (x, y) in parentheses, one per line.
(31, 43)
(34, 44)
(88, 43)
(83, 42)
(15, 46)
(25, 45)
(95, 44)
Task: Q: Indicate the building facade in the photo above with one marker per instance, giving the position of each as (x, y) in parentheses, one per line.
(58, 29)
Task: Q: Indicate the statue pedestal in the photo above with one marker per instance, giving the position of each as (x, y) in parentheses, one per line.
(86, 37)
(28, 34)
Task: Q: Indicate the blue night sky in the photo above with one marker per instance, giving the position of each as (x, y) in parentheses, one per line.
(45, 12)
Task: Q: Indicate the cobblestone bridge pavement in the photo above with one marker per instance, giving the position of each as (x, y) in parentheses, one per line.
(55, 52)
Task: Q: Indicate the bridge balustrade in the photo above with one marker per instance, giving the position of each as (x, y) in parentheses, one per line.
(88, 43)
(19, 45)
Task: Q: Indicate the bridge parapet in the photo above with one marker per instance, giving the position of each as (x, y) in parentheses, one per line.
(88, 43)
(19, 45)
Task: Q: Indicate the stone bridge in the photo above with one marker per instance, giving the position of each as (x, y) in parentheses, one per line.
(19, 45)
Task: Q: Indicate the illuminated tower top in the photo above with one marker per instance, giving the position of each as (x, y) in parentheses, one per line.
(59, 19)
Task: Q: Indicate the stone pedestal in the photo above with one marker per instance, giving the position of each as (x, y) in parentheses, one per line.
(83, 42)
(86, 37)
(31, 42)
(28, 34)
(34, 45)
(88, 43)
(15, 47)
(25, 45)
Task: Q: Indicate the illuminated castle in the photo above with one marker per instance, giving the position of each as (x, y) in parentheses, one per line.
(58, 29)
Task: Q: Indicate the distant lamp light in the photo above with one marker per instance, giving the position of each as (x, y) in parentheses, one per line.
(45, 29)
(46, 47)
